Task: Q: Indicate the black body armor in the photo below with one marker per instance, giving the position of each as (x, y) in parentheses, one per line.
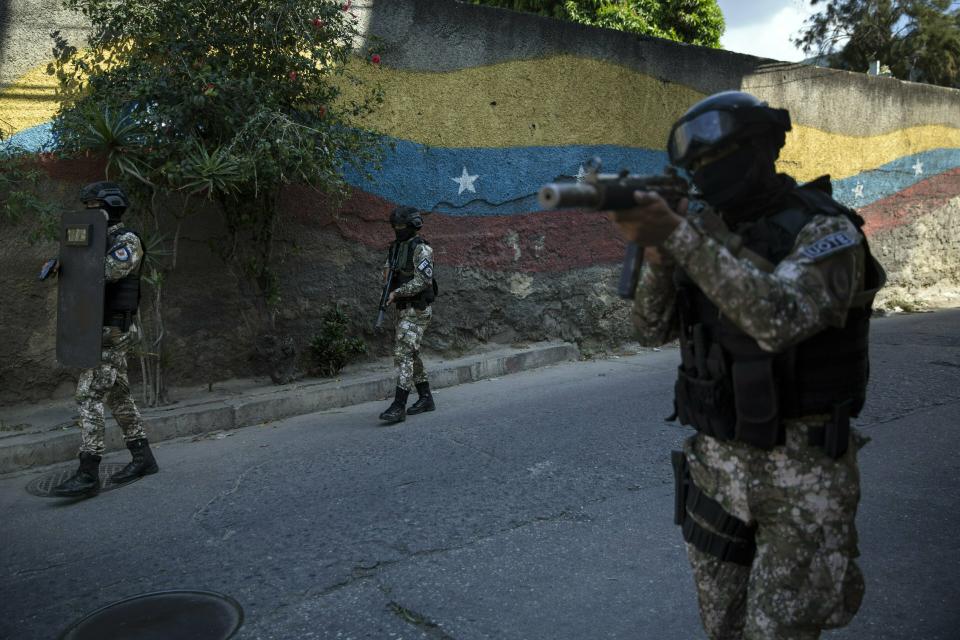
(122, 298)
(731, 389)
(402, 253)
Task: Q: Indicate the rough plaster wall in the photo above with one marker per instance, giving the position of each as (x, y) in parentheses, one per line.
(921, 259)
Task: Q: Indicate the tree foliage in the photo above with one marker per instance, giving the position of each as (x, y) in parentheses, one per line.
(691, 21)
(224, 101)
(918, 40)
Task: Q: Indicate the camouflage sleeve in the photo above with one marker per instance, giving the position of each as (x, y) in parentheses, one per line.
(422, 272)
(124, 257)
(654, 311)
(810, 289)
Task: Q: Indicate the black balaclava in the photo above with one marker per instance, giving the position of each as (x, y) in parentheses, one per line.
(741, 184)
(405, 234)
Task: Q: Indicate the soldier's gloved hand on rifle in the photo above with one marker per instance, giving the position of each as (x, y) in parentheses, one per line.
(651, 222)
(391, 298)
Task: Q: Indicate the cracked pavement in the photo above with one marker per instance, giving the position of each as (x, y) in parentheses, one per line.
(537, 505)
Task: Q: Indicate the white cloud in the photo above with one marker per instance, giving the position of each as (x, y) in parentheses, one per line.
(772, 38)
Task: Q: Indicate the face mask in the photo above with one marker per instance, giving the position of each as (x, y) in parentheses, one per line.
(405, 234)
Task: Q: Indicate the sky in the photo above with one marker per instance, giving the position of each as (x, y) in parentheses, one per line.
(764, 28)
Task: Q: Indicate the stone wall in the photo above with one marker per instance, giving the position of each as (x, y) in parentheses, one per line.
(483, 106)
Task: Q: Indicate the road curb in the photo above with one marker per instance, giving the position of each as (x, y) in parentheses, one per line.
(50, 447)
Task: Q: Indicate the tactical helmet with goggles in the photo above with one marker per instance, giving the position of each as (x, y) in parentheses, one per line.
(721, 120)
(406, 217)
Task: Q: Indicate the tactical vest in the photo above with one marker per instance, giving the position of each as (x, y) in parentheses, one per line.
(730, 388)
(122, 297)
(402, 255)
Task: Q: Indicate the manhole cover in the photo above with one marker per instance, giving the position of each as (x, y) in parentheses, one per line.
(163, 615)
(43, 485)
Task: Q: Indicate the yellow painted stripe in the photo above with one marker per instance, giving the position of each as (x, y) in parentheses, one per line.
(29, 101)
(810, 153)
(555, 101)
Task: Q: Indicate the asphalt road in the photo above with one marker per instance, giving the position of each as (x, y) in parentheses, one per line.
(532, 506)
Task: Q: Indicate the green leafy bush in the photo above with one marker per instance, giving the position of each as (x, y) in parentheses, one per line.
(332, 348)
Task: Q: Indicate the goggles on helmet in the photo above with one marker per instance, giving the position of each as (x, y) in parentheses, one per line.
(701, 133)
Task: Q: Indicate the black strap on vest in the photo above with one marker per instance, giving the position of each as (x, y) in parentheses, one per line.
(728, 538)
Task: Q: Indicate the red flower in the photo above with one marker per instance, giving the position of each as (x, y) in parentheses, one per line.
(375, 58)
(293, 75)
(317, 23)
(322, 111)
(346, 5)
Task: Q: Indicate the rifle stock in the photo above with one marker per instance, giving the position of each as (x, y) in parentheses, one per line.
(611, 191)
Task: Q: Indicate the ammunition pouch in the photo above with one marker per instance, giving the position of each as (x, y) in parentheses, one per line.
(705, 405)
(721, 535)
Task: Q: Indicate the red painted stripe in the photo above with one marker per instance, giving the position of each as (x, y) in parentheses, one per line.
(905, 206)
(530, 243)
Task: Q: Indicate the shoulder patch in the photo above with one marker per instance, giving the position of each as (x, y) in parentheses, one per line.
(829, 245)
(121, 253)
(425, 267)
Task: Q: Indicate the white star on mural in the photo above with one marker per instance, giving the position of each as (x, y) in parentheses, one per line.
(466, 182)
(858, 190)
(581, 174)
(917, 168)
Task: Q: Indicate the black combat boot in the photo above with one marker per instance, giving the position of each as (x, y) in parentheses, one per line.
(85, 482)
(143, 463)
(396, 412)
(424, 402)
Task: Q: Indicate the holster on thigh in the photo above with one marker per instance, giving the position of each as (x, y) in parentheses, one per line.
(705, 524)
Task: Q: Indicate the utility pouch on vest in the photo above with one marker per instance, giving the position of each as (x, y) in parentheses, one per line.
(755, 393)
(703, 404)
(834, 437)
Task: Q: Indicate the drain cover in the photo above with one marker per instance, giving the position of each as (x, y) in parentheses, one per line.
(162, 615)
(43, 485)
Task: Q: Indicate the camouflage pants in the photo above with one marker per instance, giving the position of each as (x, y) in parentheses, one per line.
(406, 347)
(804, 577)
(108, 383)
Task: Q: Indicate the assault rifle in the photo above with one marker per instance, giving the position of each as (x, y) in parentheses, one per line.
(391, 267)
(611, 191)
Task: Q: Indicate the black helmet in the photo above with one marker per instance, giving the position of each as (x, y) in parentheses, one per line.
(406, 217)
(720, 119)
(109, 193)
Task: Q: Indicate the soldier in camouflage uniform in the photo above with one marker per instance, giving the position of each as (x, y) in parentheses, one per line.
(771, 301)
(108, 382)
(413, 290)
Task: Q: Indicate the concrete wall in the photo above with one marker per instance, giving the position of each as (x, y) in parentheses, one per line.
(484, 105)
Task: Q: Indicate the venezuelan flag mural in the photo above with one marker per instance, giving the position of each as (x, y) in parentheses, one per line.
(472, 144)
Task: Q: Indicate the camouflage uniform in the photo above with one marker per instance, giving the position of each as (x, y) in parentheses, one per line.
(108, 381)
(803, 576)
(412, 322)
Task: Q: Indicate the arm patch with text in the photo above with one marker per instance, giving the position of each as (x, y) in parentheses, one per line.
(829, 245)
(425, 267)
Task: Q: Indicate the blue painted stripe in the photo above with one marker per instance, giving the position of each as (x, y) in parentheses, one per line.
(505, 180)
(870, 186)
(34, 139)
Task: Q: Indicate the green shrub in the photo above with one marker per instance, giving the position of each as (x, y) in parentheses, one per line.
(332, 348)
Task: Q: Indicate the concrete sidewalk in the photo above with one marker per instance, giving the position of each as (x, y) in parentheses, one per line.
(35, 435)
